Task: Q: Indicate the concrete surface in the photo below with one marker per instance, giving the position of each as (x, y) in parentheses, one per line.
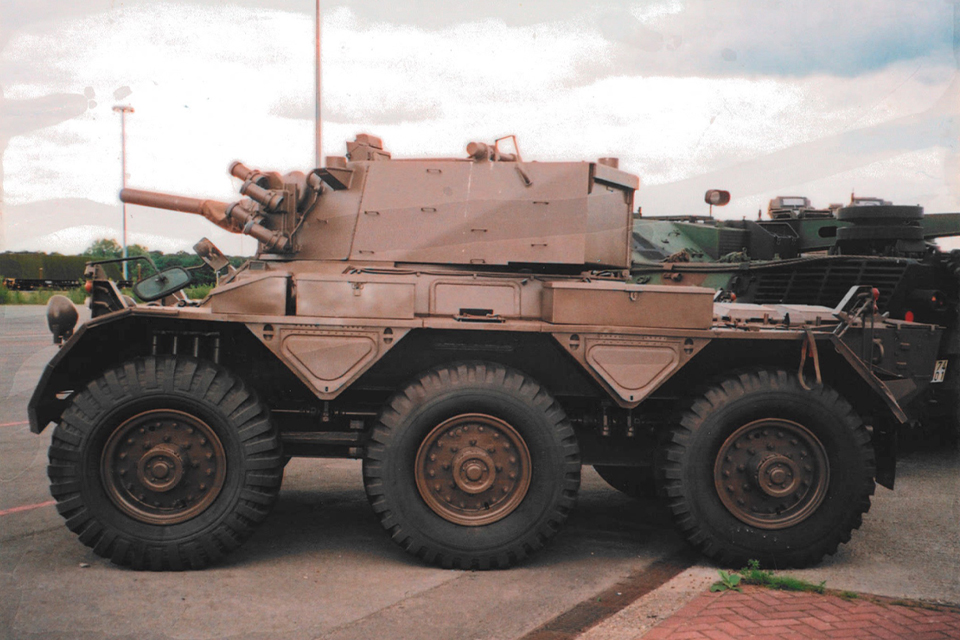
(321, 566)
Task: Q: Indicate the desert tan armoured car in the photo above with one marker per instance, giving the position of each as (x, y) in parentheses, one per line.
(466, 327)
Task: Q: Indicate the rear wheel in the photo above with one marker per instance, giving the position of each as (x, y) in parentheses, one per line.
(472, 466)
(165, 463)
(760, 468)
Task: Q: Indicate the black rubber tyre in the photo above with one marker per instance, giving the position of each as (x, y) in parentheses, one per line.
(636, 482)
(471, 396)
(811, 442)
(208, 463)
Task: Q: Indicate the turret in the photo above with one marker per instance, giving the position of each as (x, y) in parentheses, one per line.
(490, 208)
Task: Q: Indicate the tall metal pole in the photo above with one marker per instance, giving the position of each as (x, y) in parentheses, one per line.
(123, 109)
(317, 114)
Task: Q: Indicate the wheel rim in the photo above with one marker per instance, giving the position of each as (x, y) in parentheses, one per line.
(473, 469)
(772, 474)
(163, 467)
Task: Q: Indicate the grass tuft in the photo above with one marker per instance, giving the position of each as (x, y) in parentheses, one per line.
(753, 574)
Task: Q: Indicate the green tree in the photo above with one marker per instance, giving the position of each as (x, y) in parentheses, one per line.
(104, 249)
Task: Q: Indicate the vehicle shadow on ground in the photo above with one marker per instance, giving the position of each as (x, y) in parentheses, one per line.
(326, 513)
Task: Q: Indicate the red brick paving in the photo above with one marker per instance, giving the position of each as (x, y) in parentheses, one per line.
(787, 615)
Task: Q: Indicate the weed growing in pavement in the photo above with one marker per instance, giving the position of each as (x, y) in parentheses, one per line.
(728, 582)
(753, 574)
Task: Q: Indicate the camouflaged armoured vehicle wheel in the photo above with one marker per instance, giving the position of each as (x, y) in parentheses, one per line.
(760, 468)
(473, 465)
(636, 482)
(165, 463)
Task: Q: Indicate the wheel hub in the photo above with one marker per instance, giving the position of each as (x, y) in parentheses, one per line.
(771, 473)
(163, 467)
(778, 476)
(473, 469)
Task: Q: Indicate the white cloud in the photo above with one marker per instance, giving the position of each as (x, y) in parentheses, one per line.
(650, 12)
(211, 84)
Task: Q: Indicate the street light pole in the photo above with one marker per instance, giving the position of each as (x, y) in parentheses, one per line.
(317, 114)
(123, 109)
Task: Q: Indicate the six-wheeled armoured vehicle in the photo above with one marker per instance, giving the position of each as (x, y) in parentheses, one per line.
(467, 327)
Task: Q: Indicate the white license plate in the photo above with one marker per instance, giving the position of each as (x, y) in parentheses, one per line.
(940, 371)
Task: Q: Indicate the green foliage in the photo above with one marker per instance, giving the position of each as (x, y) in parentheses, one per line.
(753, 574)
(104, 249)
(77, 296)
(41, 265)
(728, 582)
(198, 292)
(31, 265)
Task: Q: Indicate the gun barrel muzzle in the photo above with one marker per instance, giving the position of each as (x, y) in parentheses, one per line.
(240, 170)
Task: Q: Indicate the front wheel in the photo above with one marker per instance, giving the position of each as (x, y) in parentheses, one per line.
(761, 469)
(165, 463)
(473, 465)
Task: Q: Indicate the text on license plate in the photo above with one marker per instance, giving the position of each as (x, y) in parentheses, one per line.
(940, 371)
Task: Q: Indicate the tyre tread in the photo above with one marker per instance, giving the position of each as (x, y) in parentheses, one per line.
(467, 374)
(184, 377)
(682, 437)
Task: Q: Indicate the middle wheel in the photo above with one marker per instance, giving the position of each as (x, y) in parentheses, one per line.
(473, 465)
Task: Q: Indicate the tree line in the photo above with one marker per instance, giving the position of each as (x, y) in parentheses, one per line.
(54, 266)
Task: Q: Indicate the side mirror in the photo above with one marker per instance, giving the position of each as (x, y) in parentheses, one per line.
(163, 284)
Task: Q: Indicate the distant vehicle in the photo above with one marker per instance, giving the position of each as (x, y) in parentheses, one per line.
(806, 255)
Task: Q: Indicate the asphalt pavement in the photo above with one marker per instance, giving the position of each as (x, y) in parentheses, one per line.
(322, 567)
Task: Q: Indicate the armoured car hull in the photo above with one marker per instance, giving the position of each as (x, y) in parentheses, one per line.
(415, 315)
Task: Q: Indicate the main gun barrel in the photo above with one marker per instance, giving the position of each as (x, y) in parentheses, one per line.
(165, 201)
(232, 217)
(213, 210)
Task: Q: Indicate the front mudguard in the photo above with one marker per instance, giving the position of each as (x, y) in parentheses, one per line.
(82, 358)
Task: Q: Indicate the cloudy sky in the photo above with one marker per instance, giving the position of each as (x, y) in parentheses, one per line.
(763, 98)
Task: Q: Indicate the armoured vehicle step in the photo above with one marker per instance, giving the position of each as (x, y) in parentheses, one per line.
(468, 328)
